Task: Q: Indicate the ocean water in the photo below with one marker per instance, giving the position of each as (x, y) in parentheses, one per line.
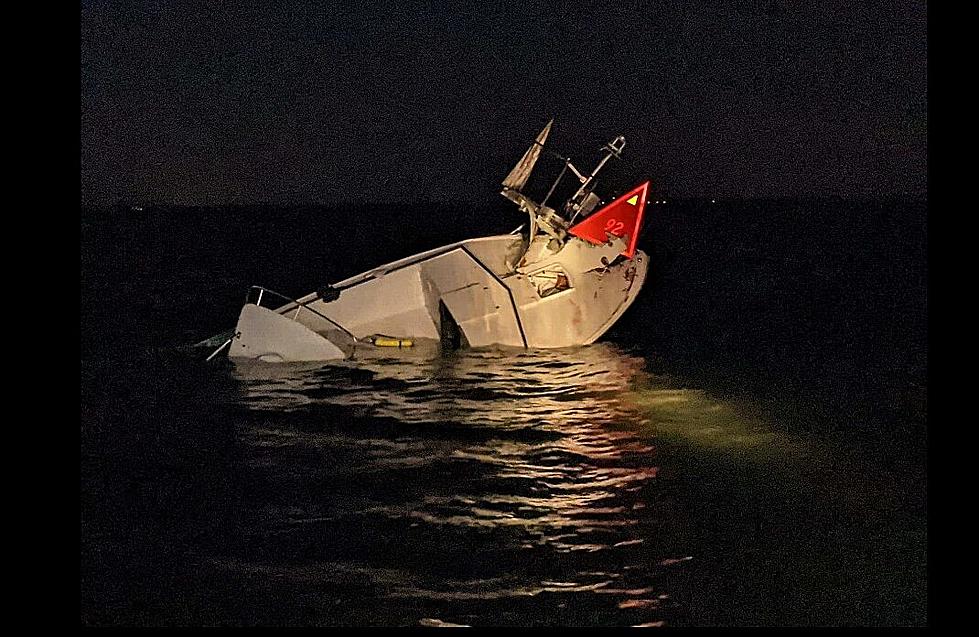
(747, 446)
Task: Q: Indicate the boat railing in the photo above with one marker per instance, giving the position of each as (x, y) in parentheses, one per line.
(259, 293)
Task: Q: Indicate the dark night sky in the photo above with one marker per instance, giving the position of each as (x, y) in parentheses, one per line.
(215, 103)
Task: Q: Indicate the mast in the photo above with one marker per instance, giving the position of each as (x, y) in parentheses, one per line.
(583, 201)
(577, 201)
(518, 176)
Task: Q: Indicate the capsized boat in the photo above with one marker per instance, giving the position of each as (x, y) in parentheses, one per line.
(563, 280)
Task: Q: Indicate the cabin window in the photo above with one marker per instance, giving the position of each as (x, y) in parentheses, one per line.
(550, 281)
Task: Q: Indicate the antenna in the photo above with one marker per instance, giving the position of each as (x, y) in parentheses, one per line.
(576, 203)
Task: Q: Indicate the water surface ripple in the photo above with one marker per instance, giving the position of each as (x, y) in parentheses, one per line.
(483, 486)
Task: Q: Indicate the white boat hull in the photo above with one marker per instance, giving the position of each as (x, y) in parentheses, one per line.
(484, 292)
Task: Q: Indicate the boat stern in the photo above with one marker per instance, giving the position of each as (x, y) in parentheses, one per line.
(266, 335)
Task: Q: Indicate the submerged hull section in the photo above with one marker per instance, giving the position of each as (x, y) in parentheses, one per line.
(482, 292)
(272, 337)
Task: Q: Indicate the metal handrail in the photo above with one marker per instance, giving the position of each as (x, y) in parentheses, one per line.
(298, 304)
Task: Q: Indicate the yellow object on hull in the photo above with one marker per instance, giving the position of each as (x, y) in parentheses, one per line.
(385, 341)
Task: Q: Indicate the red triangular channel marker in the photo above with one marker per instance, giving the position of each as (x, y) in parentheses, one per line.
(621, 218)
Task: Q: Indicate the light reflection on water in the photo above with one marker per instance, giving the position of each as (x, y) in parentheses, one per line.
(502, 487)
